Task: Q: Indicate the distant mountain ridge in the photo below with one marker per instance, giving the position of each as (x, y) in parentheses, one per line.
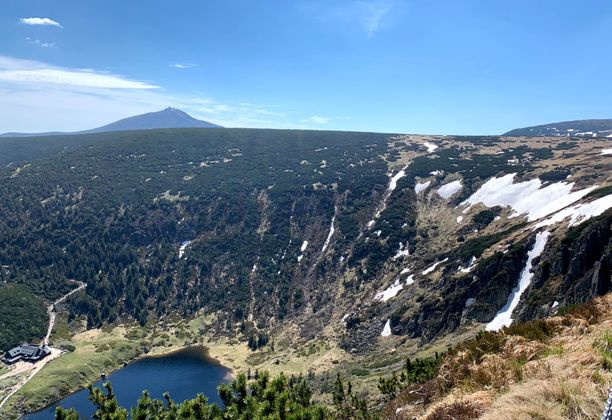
(166, 118)
(577, 128)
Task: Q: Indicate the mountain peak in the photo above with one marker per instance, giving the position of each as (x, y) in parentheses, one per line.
(166, 118)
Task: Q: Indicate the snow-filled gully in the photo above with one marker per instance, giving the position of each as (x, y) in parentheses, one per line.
(503, 318)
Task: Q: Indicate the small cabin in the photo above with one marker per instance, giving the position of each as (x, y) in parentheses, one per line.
(27, 353)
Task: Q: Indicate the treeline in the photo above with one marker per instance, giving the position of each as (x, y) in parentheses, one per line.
(264, 397)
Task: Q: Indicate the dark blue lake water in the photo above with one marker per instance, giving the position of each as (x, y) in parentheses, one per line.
(183, 374)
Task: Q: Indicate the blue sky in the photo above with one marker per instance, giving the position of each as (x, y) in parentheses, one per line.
(405, 66)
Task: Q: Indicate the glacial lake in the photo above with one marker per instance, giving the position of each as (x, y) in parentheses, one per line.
(183, 374)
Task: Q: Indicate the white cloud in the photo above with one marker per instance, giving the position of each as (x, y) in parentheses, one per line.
(183, 65)
(40, 43)
(315, 119)
(40, 21)
(37, 97)
(33, 73)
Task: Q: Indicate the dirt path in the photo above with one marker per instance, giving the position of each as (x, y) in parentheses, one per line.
(51, 309)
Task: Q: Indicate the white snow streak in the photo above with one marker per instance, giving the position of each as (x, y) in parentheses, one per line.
(526, 197)
(304, 245)
(395, 178)
(606, 151)
(386, 332)
(450, 189)
(503, 318)
(433, 267)
(329, 235)
(184, 245)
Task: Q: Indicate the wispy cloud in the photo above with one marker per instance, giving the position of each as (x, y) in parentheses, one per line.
(34, 73)
(40, 22)
(316, 119)
(40, 43)
(183, 65)
(77, 99)
(375, 13)
(371, 16)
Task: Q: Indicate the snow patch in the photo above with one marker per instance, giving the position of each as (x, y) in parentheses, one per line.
(395, 178)
(606, 151)
(503, 318)
(402, 252)
(390, 291)
(182, 248)
(450, 189)
(528, 197)
(430, 146)
(304, 246)
(421, 186)
(431, 268)
(459, 219)
(410, 280)
(469, 302)
(386, 332)
(470, 266)
(580, 212)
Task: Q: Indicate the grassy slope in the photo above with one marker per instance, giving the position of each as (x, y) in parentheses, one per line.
(559, 368)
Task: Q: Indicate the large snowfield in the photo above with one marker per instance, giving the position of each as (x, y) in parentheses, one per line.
(528, 197)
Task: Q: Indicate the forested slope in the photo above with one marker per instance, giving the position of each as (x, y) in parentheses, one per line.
(393, 239)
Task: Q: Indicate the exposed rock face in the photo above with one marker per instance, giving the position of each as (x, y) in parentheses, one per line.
(573, 269)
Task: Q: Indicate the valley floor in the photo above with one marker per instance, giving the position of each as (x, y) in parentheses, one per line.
(553, 369)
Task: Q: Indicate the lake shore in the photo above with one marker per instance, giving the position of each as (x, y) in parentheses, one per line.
(105, 351)
(182, 373)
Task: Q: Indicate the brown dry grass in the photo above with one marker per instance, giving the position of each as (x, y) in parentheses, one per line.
(553, 369)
